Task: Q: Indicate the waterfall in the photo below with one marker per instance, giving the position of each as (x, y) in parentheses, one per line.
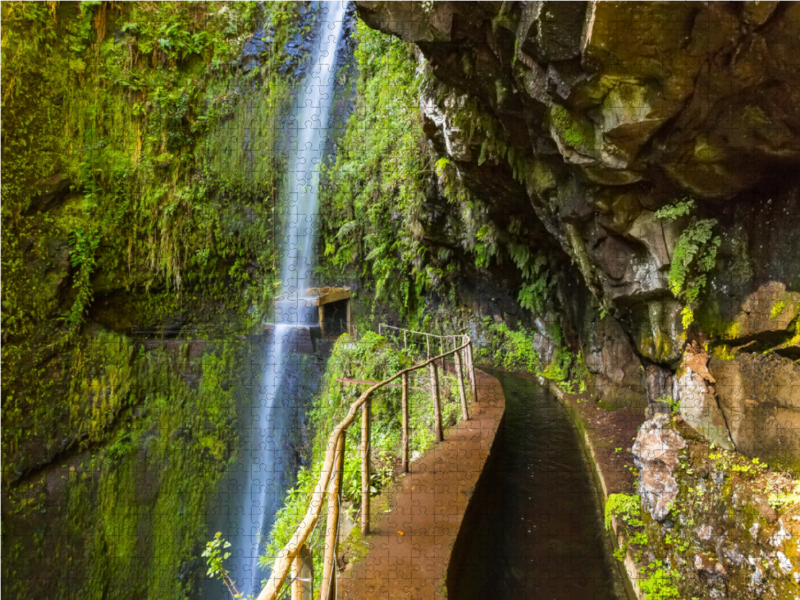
(252, 506)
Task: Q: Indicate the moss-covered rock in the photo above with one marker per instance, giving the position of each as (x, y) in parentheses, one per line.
(140, 178)
(727, 531)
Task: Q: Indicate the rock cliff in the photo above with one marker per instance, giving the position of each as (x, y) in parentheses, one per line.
(649, 149)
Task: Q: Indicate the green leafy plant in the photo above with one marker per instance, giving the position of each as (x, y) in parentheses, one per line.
(509, 349)
(625, 506)
(694, 256)
(660, 583)
(215, 555)
(678, 209)
(533, 294)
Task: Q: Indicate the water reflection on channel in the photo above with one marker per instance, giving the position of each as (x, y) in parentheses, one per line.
(538, 532)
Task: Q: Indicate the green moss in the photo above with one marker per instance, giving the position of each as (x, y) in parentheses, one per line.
(704, 152)
(742, 267)
(574, 133)
(580, 253)
(723, 352)
(540, 177)
(120, 115)
(626, 102)
(164, 455)
(128, 202)
(777, 309)
(356, 546)
(711, 321)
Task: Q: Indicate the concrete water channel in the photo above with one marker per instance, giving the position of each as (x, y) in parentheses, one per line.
(539, 531)
(504, 508)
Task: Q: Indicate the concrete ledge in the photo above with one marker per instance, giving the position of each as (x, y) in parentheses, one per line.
(590, 448)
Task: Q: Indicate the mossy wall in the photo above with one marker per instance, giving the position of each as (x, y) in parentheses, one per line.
(140, 170)
(127, 518)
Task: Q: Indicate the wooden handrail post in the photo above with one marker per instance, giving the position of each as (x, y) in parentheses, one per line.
(405, 340)
(428, 343)
(437, 413)
(303, 575)
(471, 373)
(462, 395)
(328, 587)
(365, 450)
(405, 422)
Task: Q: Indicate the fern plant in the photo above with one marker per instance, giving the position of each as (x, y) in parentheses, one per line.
(694, 257)
(82, 255)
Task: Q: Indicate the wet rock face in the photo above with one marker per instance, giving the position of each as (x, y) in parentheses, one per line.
(655, 453)
(760, 398)
(725, 536)
(594, 131)
(698, 403)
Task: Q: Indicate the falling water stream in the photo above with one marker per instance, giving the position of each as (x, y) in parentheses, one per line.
(255, 490)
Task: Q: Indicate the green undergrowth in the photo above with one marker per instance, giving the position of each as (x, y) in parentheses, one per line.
(624, 506)
(134, 201)
(371, 358)
(379, 177)
(513, 350)
(131, 197)
(400, 220)
(657, 580)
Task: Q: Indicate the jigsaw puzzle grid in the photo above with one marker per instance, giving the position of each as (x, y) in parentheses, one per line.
(404, 559)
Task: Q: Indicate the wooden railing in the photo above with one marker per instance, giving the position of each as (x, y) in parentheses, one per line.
(428, 337)
(432, 337)
(294, 555)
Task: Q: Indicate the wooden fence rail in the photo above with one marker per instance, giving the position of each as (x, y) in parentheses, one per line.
(428, 337)
(453, 338)
(330, 479)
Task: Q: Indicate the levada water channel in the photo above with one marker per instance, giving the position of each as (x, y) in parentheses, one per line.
(538, 533)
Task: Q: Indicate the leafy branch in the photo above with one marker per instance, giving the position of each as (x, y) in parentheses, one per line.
(215, 555)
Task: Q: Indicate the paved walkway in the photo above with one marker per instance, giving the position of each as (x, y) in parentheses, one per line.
(415, 524)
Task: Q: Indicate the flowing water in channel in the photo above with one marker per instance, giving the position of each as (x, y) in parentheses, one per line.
(256, 488)
(539, 532)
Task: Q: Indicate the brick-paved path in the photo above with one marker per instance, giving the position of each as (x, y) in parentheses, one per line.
(427, 506)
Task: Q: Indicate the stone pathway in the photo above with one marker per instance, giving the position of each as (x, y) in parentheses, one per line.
(416, 523)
